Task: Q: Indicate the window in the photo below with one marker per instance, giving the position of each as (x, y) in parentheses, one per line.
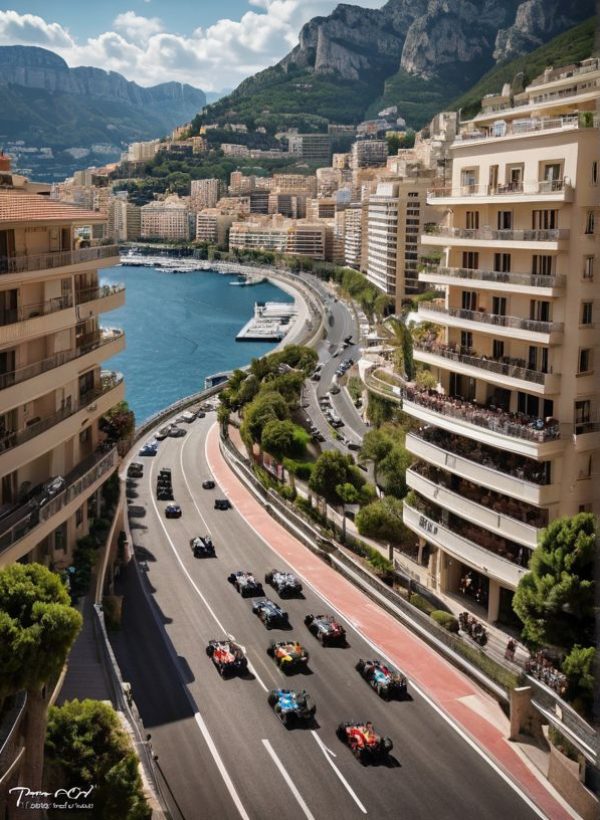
(466, 340)
(472, 220)
(588, 267)
(469, 178)
(544, 220)
(497, 349)
(502, 262)
(538, 359)
(583, 411)
(585, 360)
(586, 313)
(505, 221)
(469, 300)
(470, 260)
(541, 265)
(499, 305)
(595, 172)
(514, 177)
(539, 311)
(589, 222)
(552, 175)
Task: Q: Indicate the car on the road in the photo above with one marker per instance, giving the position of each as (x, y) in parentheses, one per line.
(245, 583)
(173, 511)
(135, 470)
(319, 436)
(202, 547)
(316, 376)
(334, 389)
(164, 492)
(385, 681)
(288, 655)
(286, 583)
(163, 432)
(326, 629)
(177, 432)
(291, 706)
(165, 472)
(270, 613)
(150, 448)
(227, 656)
(208, 484)
(364, 742)
(222, 504)
(187, 417)
(352, 445)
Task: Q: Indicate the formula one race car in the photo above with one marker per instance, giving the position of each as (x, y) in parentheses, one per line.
(289, 655)
(366, 745)
(164, 491)
(222, 504)
(173, 511)
(135, 470)
(387, 683)
(270, 614)
(227, 656)
(291, 706)
(203, 547)
(286, 583)
(209, 484)
(245, 583)
(326, 629)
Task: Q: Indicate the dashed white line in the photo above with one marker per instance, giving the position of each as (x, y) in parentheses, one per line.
(220, 765)
(340, 776)
(291, 785)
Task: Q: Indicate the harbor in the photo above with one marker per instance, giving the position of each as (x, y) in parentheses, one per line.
(270, 323)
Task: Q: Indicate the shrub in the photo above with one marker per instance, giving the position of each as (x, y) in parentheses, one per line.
(444, 619)
(421, 603)
(287, 492)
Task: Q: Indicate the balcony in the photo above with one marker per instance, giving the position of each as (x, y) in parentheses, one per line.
(513, 327)
(20, 447)
(508, 372)
(58, 259)
(551, 239)
(525, 127)
(494, 280)
(496, 470)
(109, 342)
(92, 301)
(41, 514)
(496, 513)
(547, 190)
(491, 564)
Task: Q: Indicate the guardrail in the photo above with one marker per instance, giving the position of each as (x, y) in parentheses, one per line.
(56, 259)
(9, 731)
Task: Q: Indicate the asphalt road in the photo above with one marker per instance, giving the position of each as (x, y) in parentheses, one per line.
(223, 751)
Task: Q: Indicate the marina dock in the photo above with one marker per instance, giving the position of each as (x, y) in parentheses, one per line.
(270, 323)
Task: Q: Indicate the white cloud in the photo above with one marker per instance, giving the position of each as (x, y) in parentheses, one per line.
(211, 58)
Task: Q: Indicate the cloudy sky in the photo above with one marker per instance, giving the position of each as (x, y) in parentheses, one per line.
(212, 44)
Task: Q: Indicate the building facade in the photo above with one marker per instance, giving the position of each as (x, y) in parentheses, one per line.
(276, 233)
(166, 219)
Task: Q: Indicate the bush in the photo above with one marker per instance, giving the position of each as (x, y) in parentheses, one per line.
(301, 469)
(444, 619)
(421, 603)
(578, 666)
(287, 492)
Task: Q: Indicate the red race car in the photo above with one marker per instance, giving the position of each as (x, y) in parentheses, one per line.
(364, 742)
(227, 656)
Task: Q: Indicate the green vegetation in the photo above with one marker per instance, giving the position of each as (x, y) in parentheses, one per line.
(555, 599)
(284, 439)
(444, 619)
(421, 603)
(579, 667)
(332, 472)
(382, 520)
(118, 423)
(570, 47)
(37, 628)
(87, 747)
(384, 448)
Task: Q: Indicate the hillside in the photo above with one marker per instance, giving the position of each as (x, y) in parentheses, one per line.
(416, 54)
(84, 115)
(570, 47)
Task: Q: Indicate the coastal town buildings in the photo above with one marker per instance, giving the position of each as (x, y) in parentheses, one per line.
(166, 219)
(124, 219)
(510, 438)
(205, 193)
(53, 388)
(278, 233)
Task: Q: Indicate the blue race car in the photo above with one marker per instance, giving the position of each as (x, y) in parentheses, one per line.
(385, 681)
(291, 706)
(270, 614)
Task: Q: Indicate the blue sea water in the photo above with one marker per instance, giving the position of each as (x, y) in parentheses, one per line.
(180, 328)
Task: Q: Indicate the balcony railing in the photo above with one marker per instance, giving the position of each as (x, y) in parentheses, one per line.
(92, 341)
(532, 325)
(515, 368)
(527, 126)
(14, 439)
(492, 235)
(528, 279)
(56, 259)
(41, 507)
(564, 73)
(11, 316)
(546, 186)
(91, 294)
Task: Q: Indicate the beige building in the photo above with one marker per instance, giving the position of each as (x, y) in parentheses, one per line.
(368, 153)
(276, 233)
(124, 219)
(166, 219)
(205, 193)
(142, 151)
(354, 230)
(212, 226)
(53, 389)
(511, 438)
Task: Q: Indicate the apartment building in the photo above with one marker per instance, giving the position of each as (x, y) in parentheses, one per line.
(368, 153)
(53, 389)
(277, 233)
(354, 218)
(213, 224)
(396, 215)
(205, 193)
(124, 219)
(511, 436)
(166, 219)
(311, 147)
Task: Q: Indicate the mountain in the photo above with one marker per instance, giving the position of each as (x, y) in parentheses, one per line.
(416, 54)
(84, 115)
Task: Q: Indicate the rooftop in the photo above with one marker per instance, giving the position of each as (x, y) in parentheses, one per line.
(19, 206)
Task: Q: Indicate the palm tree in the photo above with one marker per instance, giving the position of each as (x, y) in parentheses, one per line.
(400, 338)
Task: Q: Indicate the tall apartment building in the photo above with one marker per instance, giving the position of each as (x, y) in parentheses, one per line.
(396, 215)
(142, 151)
(368, 153)
(213, 224)
(511, 438)
(311, 147)
(205, 193)
(53, 389)
(354, 218)
(276, 233)
(166, 219)
(124, 219)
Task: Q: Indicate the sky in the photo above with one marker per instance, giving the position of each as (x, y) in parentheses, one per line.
(211, 44)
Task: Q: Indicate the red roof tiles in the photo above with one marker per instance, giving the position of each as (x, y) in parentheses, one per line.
(19, 206)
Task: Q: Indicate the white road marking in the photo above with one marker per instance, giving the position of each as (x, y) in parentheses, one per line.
(341, 777)
(460, 732)
(292, 786)
(203, 519)
(221, 766)
(257, 676)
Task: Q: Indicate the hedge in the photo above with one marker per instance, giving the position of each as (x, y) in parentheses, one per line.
(444, 619)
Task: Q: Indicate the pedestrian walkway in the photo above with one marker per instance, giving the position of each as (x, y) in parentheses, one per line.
(468, 708)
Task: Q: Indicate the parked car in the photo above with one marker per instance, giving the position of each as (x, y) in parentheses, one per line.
(177, 432)
(163, 432)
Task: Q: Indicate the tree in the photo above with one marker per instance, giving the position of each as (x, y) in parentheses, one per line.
(375, 447)
(392, 470)
(37, 628)
(284, 438)
(267, 406)
(332, 470)
(348, 494)
(383, 520)
(555, 599)
(86, 746)
(579, 667)
(400, 338)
